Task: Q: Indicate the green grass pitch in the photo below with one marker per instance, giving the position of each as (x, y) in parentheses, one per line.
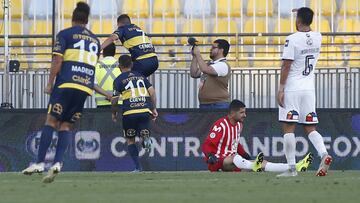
(188, 187)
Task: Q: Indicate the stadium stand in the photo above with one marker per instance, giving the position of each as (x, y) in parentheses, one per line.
(326, 7)
(166, 8)
(259, 8)
(257, 26)
(163, 27)
(43, 27)
(193, 26)
(350, 7)
(197, 8)
(229, 8)
(283, 26)
(132, 8)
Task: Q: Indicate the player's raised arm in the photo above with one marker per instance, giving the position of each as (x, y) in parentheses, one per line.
(112, 38)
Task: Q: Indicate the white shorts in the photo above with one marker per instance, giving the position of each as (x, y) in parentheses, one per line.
(299, 107)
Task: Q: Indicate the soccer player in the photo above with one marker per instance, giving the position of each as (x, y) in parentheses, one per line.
(139, 104)
(296, 95)
(138, 43)
(73, 66)
(223, 151)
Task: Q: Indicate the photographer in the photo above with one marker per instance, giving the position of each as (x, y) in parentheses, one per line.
(214, 76)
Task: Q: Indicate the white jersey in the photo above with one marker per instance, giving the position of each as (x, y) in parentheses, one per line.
(304, 49)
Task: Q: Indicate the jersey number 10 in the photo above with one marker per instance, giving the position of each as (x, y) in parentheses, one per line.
(139, 84)
(309, 64)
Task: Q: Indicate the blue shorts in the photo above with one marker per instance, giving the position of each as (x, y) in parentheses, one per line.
(136, 125)
(146, 66)
(66, 104)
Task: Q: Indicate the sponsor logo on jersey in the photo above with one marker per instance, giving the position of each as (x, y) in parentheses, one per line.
(292, 115)
(212, 135)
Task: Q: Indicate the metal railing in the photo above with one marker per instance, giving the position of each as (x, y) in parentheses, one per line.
(335, 88)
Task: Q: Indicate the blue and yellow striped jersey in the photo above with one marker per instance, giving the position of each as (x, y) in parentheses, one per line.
(133, 88)
(136, 41)
(80, 50)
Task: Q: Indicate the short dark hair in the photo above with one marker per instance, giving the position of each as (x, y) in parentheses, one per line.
(124, 19)
(305, 14)
(125, 61)
(109, 50)
(81, 13)
(236, 105)
(223, 44)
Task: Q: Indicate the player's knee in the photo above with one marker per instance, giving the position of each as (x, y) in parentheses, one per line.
(130, 140)
(65, 126)
(52, 121)
(309, 128)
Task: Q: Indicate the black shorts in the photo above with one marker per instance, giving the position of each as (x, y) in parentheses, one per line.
(66, 104)
(136, 125)
(146, 66)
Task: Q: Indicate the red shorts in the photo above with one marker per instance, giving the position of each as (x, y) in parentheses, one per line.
(218, 166)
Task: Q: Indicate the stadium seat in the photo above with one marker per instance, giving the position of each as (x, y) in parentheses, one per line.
(354, 57)
(259, 8)
(326, 7)
(16, 8)
(105, 26)
(349, 6)
(267, 57)
(40, 27)
(283, 26)
(40, 8)
(42, 58)
(19, 54)
(242, 59)
(163, 27)
(260, 27)
(330, 56)
(132, 8)
(324, 26)
(356, 28)
(193, 26)
(225, 26)
(286, 6)
(166, 8)
(234, 6)
(68, 7)
(345, 26)
(15, 29)
(169, 58)
(107, 9)
(197, 8)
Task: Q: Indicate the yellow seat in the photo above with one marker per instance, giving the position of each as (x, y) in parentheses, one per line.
(20, 55)
(356, 28)
(16, 8)
(233, 5)
(345, 26)
(349, 6)
(260, 8)
(324, 26)
(326, 7)
(267, 57)
(194, 26)
(40, 27)
(260, 27)
(68, 7)
(133, 8)
(42, 58)
(283, 26)
(169, 58)
(15, 29)
(163, 27)
(166, 8)
(106, 26)
(330, 56)
(354, 57)
(225, 26)
(242, 60)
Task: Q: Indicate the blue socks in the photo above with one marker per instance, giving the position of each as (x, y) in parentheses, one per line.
(134, 153)
(45, 141)
(64, 138)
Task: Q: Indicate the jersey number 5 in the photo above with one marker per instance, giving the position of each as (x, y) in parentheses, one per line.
(309, 64)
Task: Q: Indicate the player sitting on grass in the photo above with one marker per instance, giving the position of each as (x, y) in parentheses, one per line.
(223, 151)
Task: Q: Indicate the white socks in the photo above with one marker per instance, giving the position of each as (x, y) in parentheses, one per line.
(276, 167)
(318, 142)
(242, 163)
(289, 145)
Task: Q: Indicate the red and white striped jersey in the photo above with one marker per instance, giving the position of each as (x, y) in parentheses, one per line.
(223, 139)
